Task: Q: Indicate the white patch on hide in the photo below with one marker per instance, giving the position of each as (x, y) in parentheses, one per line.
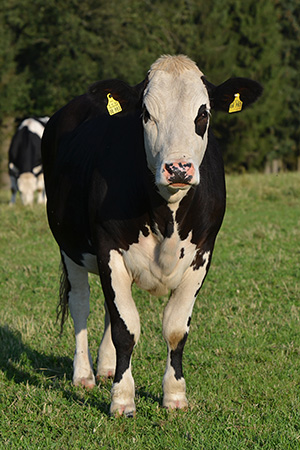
(121, 283)
(155, 263)
(34, 126)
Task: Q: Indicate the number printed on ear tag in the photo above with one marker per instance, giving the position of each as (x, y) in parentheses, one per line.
(236, 105)
(113, 106)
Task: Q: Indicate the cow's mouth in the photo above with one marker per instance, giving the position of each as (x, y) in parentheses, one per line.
(179, 185)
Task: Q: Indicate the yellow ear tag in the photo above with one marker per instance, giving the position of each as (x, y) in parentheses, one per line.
(113, 106)
(236, 105)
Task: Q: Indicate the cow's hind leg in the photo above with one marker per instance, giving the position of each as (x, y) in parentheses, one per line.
(78, 299)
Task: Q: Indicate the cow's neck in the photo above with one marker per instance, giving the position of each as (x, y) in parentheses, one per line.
(172, 196)
(165, 218)
(163, 211)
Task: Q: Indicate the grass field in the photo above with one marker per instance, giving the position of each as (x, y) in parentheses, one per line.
(241, 361)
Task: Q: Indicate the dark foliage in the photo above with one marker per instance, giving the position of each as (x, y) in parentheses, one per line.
(52, 51)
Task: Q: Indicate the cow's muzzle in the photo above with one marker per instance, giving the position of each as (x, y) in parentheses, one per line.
(179, 174)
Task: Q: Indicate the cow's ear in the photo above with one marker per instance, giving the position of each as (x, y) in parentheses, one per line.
(233, 95)
(139, 88)
(116, 96)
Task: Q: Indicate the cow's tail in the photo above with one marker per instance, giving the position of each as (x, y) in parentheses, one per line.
(62, 309)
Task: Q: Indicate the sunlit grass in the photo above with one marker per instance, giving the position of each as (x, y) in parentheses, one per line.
(242, 358)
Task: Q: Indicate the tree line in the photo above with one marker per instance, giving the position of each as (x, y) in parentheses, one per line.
(51, 51)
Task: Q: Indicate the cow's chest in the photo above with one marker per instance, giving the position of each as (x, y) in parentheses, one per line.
(158, 264)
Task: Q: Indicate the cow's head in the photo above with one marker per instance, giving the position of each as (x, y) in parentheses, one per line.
(27, 187)
(177, 102)
(176, 105)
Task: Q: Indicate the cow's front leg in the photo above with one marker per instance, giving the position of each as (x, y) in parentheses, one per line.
(40, 187)
(106, 366)
(78, 298)
(14, 189)
(125, 330)
(176, 323)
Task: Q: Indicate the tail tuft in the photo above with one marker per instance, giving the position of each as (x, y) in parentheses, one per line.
(62, 310)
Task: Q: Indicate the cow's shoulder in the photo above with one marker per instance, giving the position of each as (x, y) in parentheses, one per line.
(91, 105)
(95, 103)
(70, 116)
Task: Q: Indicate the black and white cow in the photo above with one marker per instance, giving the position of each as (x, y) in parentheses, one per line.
(137, 194)
(25, 161)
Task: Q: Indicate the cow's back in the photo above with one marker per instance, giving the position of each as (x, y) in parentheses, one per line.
(95, 169)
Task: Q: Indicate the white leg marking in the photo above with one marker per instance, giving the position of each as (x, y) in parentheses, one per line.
(40, 186)
(174, 390)
(106, 366)
(79, 309)
(121, 284)
(123, 390)
(123, 396)
(175, 330)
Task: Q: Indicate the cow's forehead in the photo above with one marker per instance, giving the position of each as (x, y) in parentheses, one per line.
(174, 79)
(174, 65)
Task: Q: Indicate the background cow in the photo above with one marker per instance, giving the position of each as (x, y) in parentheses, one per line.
(25, 161)
(136, 193)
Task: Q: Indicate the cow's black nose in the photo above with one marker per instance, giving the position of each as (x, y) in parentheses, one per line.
(179, 172)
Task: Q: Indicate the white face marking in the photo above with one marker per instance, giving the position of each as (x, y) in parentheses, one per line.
(27, 185)
(172, 99)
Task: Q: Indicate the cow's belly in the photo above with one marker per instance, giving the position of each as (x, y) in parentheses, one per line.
(90, 263)
(159, 265)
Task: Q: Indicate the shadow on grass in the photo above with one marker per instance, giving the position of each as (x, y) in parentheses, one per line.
(22, 364)
(151, 398)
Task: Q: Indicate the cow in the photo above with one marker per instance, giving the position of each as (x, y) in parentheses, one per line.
(136, 194)
(25, 161)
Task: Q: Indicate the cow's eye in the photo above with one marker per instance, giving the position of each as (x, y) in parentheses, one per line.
(146, 115)
(203, 115)
(201, 121)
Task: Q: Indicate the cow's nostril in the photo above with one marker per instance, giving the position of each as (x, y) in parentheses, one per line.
(169, 168)
(179, 172)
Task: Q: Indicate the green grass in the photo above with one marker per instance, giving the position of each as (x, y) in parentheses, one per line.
(241, 361)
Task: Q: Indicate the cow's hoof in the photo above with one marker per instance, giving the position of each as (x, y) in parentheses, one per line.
(176, 404)
(105, 373)
(118, 410)
(87, 383)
